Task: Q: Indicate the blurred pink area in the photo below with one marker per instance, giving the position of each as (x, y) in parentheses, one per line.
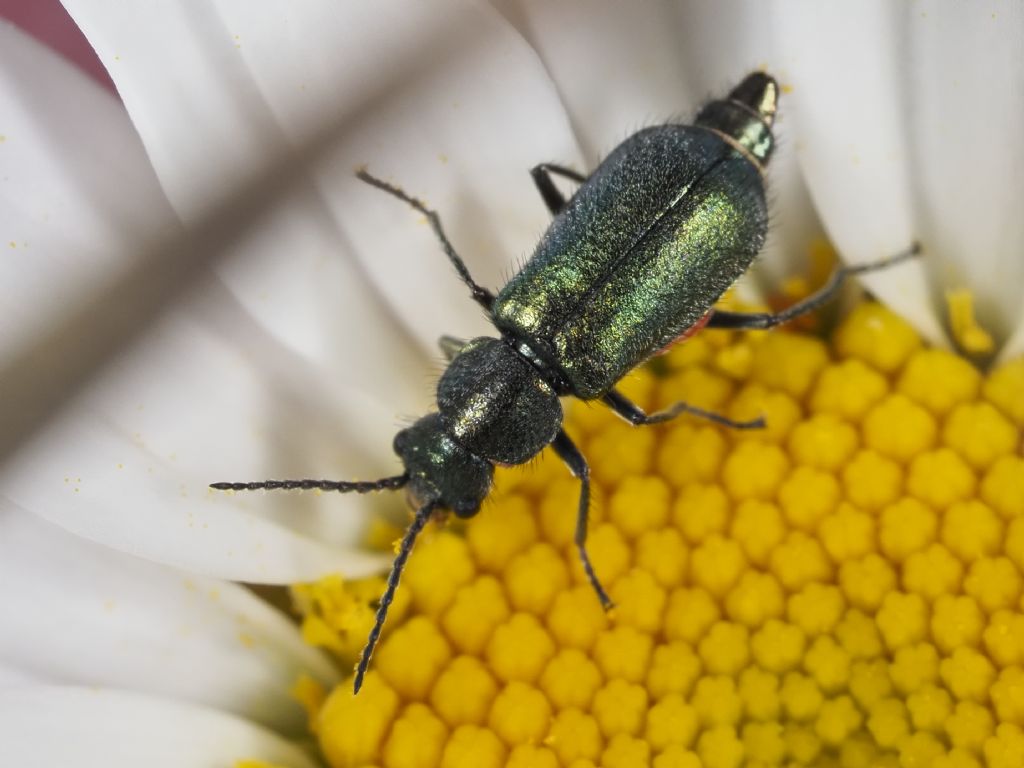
(48, 22)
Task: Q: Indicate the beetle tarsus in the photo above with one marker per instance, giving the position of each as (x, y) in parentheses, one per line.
(632, 413)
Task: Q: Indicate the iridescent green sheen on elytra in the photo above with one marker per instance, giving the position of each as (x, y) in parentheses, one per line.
(658, 233)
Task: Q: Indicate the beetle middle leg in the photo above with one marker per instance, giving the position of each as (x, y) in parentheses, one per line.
(635, 415)
(480, 295)
(761, 320)
(450, 346)
(577, 463)
(553, 198)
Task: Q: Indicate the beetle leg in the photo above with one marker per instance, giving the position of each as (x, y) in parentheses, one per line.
(577, 463)
(480, 295)
(760, 320)
(450, 346)
(632, 413)
(553, 198)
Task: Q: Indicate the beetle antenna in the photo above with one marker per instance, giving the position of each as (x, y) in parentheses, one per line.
(341, 486)
(422, 515)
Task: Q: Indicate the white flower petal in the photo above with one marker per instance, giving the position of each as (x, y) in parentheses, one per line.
(66, 221)
(77, 613)
(618, 70)
(965, 95)
(207, 394)
(851, 139)
(14, 677)
(470, 110)
(43, 727)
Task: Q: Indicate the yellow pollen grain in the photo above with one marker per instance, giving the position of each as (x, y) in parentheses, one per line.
(939, 380)
(576, 618)
(755, 470)
(416, 740)
(691, 453)
(574, 735)
(758, 527)
(519, 648)
(759, 691)
(1003, 387)
(914, 666)
(971, 530)
(716, 564)
(571, 679)
(689, 613)
(808, 496)
(844, 589)
(639, 504)
(816, 609)
(899, 429)
(725, 649)
(778, 646)
(905, 527)
(756, 598)
(717, 701)
(534, 577)
(420, 638)
(671, 721)
(823, 441)
(664, 555)
(498, 535)
(640, 600)
(700, 510)
(674, 669)
(473, 747)
(848, 533)
(520, 714)
(464, 691)
(478, 609)
(620, 707)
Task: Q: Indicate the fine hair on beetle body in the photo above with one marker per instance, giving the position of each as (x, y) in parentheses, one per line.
(632, 263)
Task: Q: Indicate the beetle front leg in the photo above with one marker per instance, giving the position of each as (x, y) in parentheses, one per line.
(762, 320)
(577, 463)
(553, 198)
(480, 295)
(450, 346)
(632, 413)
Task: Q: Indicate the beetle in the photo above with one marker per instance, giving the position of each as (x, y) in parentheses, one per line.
(632, 263)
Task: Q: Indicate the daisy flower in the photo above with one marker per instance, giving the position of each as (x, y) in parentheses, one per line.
(842, 588)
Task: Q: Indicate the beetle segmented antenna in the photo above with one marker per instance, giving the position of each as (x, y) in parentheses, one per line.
(341, 486)
(422, 515)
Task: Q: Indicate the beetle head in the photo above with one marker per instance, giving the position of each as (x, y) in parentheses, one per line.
(440, 470)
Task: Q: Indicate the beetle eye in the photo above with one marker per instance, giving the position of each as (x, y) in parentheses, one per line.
(400, 441)
(465, 509)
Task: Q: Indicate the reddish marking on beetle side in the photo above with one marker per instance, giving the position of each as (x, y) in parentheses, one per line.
(687, 333)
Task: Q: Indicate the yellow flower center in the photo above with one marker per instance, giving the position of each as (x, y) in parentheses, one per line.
(842, 588)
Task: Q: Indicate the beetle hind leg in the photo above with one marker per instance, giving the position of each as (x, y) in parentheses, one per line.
(632, 413)
(762, 320)
(577, 463)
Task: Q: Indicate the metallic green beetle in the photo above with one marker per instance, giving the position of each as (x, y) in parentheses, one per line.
(632, 263)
